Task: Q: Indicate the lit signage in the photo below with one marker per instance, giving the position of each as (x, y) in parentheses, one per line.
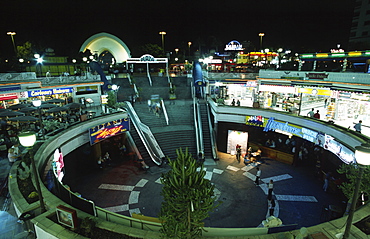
(234, 46)
(323, 140)
(319, 76)
(35, 93)
(256, 120)
(8, 96)
(147, 57)
(108, 129)
(315, 91)
(345, 154)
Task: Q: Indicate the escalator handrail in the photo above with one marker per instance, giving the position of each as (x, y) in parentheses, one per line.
(156, 158)
(212, 134)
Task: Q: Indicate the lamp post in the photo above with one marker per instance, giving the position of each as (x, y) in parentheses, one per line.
(37, 104)
(362, 156)
(27, 140)
(115, 89)
(162, 33)
(189, 44)
(11, 34)
(261, 35)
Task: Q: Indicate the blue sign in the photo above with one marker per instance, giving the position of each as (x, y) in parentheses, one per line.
(35, 93)
(108, 129)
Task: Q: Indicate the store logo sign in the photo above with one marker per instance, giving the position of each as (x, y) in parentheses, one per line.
(275, 125)
(35, 93)
(320, 76)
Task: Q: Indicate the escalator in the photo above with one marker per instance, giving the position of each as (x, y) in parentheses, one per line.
(207, 143)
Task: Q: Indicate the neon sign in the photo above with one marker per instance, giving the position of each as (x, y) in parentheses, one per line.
(108, 129)
(234, 46)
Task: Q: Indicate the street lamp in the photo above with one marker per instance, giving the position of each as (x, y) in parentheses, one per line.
(115, 89)
(162, 33)
(11, 34)
(189, 44)
(261, 35)
(27, 140)
(37, 104)
(362, 156)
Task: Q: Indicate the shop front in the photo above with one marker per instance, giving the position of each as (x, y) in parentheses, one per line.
(279, 97)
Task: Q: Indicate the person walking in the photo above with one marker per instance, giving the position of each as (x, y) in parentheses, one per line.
(358, 126)
(311, 113)
(326, 181)
(258, 176)
(271, 207)
(317, 115)
(238, 152)
(270, 189)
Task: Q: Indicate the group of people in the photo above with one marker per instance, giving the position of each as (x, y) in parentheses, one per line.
(237, 102)
(154, 107)
(312, 114)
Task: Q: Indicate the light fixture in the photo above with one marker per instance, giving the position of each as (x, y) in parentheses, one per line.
(27, 139)
(36, 103)
(362, 154)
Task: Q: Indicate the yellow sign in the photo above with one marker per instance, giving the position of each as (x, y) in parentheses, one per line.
(315, 91)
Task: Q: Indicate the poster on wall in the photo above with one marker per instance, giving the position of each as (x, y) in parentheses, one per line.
(108, 129)
(234, 138)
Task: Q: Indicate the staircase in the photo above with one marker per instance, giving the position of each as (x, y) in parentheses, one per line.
(179, 133)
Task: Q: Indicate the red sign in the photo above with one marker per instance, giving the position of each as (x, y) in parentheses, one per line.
(8, 96)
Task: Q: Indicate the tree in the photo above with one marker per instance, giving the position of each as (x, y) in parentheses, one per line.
(25, 51)
(351, 171)
(188, 198)
(152, 49)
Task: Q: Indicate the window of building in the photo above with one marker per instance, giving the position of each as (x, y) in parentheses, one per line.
(366, 23)
(354, 24)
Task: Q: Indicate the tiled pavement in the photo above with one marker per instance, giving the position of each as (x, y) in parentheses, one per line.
(125, 189)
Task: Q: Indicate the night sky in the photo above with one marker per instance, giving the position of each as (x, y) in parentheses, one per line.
(302, 26)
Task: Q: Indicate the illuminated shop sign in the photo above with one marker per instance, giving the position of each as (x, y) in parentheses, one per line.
(108, 129)
(35, 93)
(233, 46)
(315, 91)
(256, 120)
(330, 144)
(319, 76)
(8, 96)
(323, 140)
(270, 124)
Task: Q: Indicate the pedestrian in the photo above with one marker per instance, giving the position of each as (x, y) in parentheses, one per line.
(258, 175)
(238, 152)
(238, 103)
(270, 189)
(311, 113)
(100, 163)
(317, 115)
(107, 159)
(271, 207)
(326, 181)
(358, 126)
(233, 102)
(12, 157)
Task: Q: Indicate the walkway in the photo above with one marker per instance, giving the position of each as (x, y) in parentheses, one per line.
(125, 189)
